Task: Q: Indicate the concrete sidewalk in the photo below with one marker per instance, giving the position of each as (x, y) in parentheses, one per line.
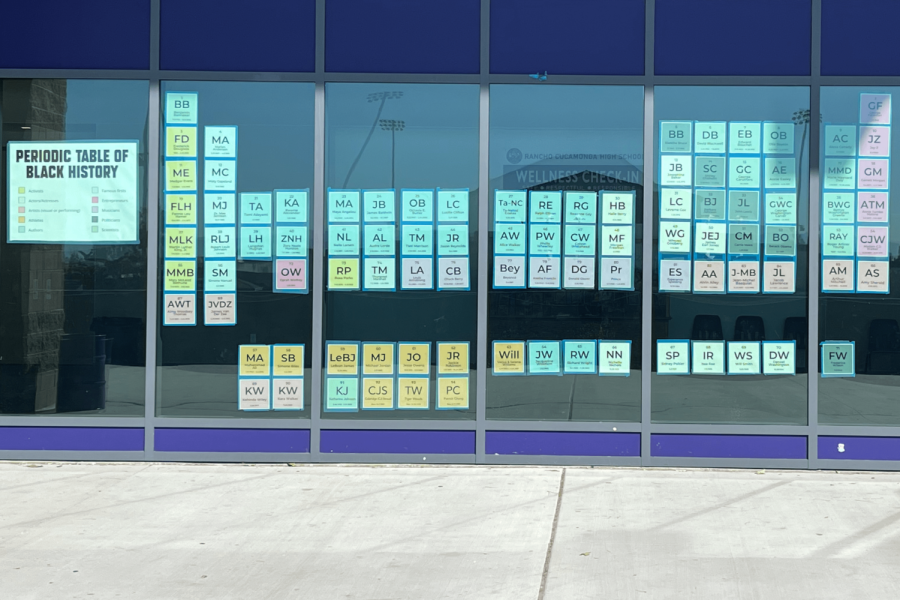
(72, 530)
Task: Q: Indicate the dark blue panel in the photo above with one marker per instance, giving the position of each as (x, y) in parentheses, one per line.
(397, 442)
(732, 37)
(236, 35)
(859, 448)
(75, 34)
(860, 38)
(90, 439)
(559, 443)
(728, 446)
(231, 440)
(402, 36)
(567, 37)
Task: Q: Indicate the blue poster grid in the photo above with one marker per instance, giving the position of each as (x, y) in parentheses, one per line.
(552, 226)
(685, 149)
(510, 223)
(416, 219)
(283, 227)
(631, 198)
(374, 218)
(443, 225)
(352, 379)
(577, 220)
(276, 378)
(343, 212)
(245, 378)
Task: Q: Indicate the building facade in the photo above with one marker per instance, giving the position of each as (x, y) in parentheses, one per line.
(407, 231)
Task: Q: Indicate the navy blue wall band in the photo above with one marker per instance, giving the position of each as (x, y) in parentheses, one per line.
(363, 441)
(74, 439)
(843, 447)
(728, 446)
(231, 440)
(562, 443)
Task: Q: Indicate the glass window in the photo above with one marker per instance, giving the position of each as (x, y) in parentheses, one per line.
(73, 253)
(859, 303)
(564, 308)
(730, 255)
(402, 212)
(234, 247)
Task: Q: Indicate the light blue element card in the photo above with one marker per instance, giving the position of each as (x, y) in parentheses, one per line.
(291, 206)
(379, 240)
(417, 240)
(378, 206)
(453, 240)
(256, 208)
(509, 238)
(543, 358)
(579, 356)
(510, 206)
(291, 240)
(418, 205)
(343, 240)
(453, 206)
(343, 206)
(256, 243)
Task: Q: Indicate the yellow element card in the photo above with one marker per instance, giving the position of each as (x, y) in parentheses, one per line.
(378, 359)
(343, 273)
(453, 392)
(343, 359)
(378, 392)
(181, 175)
(181, 209)
(181, 142)
(180, 276)
(412, 392)
(509, 358)
(414, 358)
(453, 358)
(254, 361)
(288, 361)
(181, 242)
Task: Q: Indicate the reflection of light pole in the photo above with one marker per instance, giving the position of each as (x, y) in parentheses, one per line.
(392, 125)
(374, 97)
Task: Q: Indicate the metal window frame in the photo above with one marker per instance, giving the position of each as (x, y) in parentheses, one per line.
(315, 423)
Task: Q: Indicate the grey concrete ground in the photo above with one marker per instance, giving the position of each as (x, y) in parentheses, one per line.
(241, 531)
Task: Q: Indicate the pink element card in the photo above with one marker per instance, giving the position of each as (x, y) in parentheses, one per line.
(872, 241)
(290, 274)
(872, 174)
(874, 140)
(875, 109)
(872, 207)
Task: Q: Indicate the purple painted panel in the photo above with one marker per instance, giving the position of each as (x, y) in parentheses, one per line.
(859, 448)
(728, 446)
(562, 443)
(232, 440)
(364, 441)
(88, 439)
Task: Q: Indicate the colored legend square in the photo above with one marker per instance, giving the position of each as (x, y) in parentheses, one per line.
(21, 209)
(95, 200)
(95, 190)
(21, 199)
(94, 219)
(95, 209)
(21, 219)
(21, 190)
(21, 230)
(94, 229)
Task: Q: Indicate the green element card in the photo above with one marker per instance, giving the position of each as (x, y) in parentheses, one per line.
(675, 203)
(840, 174)
(291, 207)
(219, 276)
(743, 358)
(743, 239)
(343, 240)
(378, 206)
(453, 205)
(544, 240)
(342, 393)
(743, 172)
(675, 236)
(417, 240)
(617, 240)
(778, 138)
(343, 206)
(581, 207)
(543, 358)
(380, 273)
(618, 209)
(614, 358)
(743, 205)
(780, 173)
(709, 204)
(581, 240)
(509, 238)
(379, 240)
(675, 136)
(580, 356)
(838, 207)
(675, 170)
(291, 241)
(672, 357)
(743, 138)
(256, 209)
(218, 208)
(838, 240)
(710, 238)
(219, 242)
(510, 207)
(707, 358)
(709, 171)
(781, 240)
(779, 358)
(840, 140)
(418, 205)
(546, 207)
(453, 240)
(256, 242)
(838, 359)
(781, 208)
(709, 137)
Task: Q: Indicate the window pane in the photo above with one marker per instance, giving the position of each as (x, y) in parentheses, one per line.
(409, 154)
(254, 152)
(73, 259)
(861, 305)
(578, 146)
(730, 255)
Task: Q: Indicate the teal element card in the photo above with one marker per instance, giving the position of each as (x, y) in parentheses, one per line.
(743, 138)
(838, 207)
(543, 358)
(709, 137)
(343, 206)
(342, 393)
(219, 242)
(544, 239)
(291, 206)
(343, 240)
(418, 205)
(256, 243)
(838, 240)
(291, 241)
(256, 209)
(417, 240)
(709, 204)
(675, 136)
(453, 205)
(453, 240)
(743, 205)
(743, 239)
(510, 206)
(581, 207)
(780, 173)
(709, 171)
(675, 203)
(509, 238)
(710, 238)
(778, 138)
(840, 174)
(617, 209)
(581, 240)
(219, 276)
(378, 206)
(743, 172)
(378, 240)
(546, 207)
(781, 240)
(840, 140)
(781, 208)
(579, 356)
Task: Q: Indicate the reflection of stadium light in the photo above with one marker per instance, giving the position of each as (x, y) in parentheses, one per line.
(376, 96)
(392, 124)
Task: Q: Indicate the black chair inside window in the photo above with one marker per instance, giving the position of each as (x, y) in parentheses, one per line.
(883, 357)
(749, 328)
(707, 327)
